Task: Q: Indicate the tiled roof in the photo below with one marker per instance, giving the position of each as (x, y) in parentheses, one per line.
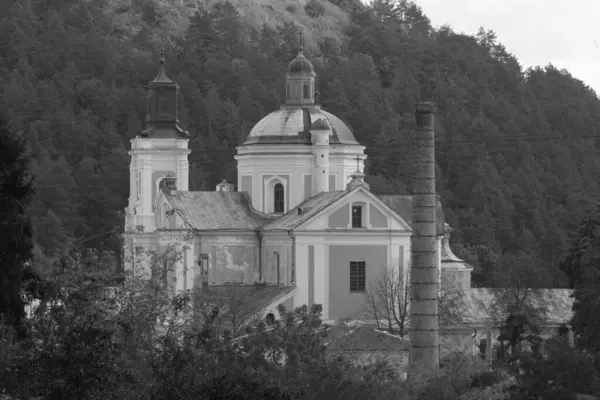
(309, 208)
(216, 210)
(402, 204)
(474, 305)
(363, 338)
(245, 301)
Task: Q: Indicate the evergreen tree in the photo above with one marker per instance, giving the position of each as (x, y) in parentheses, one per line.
(16, 246)
(582, 265)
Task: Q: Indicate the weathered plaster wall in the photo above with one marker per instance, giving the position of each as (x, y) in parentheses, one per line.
(277, 265)
(277, 259)
(378, 220)
(233, 258)
(342, 302)
(247, 184)
(332, 182)
(340, 218)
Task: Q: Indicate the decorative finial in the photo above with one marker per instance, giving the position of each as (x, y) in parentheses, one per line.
(162, 55)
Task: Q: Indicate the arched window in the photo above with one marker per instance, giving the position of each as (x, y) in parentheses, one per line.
(306, 92)
(278, 198)
(287, 91)
(270, 319)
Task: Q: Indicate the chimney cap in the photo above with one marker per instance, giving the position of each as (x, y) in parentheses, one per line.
(426, 107)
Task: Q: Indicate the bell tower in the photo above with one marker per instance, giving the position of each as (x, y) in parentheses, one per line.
(158, 151)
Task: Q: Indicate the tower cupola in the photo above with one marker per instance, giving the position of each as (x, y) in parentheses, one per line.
(300, 81)
(162, 120)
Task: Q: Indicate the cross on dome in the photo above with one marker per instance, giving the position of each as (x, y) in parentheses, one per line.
(301, 41)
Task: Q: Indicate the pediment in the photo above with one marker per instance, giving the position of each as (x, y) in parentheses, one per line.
(375, 214)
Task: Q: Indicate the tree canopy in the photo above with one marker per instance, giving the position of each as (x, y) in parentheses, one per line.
(16, 191)
(516, 150)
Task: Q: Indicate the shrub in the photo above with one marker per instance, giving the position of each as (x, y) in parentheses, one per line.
(292, 8)
(487, 378)
(314, 9)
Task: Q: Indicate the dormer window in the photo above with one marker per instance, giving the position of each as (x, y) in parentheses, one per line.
(357, 217)
(278, 198)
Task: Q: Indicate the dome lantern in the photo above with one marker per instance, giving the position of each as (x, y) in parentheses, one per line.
(300, 81)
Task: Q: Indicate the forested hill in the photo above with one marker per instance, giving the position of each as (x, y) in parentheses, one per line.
(516, 149)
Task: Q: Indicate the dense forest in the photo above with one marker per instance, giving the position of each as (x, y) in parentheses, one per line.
(516, 150)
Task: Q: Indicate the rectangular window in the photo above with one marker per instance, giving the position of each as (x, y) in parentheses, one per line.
(306, 92)
(357, 276)
(277, 267)
(357, 217)
(163, 107)
(138, 183)
(279, 198)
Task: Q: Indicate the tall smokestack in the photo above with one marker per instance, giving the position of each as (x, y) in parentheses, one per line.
(424, 350)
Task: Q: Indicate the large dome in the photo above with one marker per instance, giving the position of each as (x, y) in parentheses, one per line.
(291, 125)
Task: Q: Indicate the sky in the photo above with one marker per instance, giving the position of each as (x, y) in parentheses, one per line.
(537, 32)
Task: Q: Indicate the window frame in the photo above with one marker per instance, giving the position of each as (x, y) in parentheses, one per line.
(277, 263)
(359, 216)
(278, 200)
(358, 276)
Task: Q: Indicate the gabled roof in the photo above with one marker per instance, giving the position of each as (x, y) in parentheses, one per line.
(474, 305)
(313, 206)
(243, 302)
(309, 207)
(216, 210)
(363, 338)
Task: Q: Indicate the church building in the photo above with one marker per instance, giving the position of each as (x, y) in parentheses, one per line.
(301, 226)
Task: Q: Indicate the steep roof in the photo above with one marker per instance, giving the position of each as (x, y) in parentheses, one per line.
(363, 338)
(243, 302)
(309, 208)
(216, 210)
(474, 305)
